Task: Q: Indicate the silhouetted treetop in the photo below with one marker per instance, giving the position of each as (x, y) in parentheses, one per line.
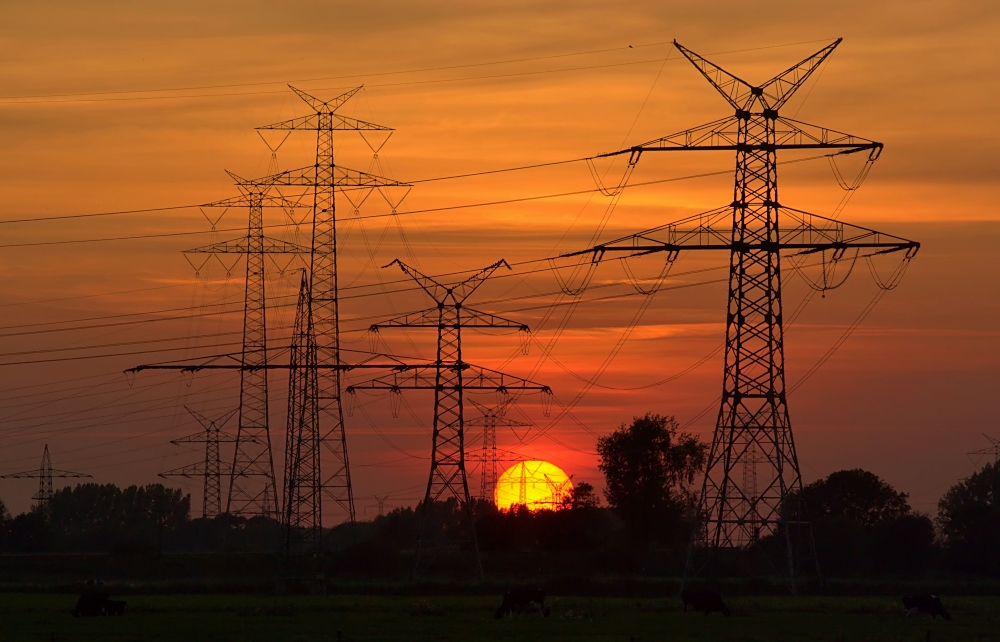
(648, 467)
(856, 495)
(580, 497)
(969, 518)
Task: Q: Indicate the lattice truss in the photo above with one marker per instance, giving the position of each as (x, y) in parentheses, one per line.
(752, 465)
(212, 469)
(252, 488)
(45, 473)
(450, 376)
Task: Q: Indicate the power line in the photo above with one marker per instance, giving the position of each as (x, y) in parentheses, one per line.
(281, 91)
(44, 98)
(342, 77)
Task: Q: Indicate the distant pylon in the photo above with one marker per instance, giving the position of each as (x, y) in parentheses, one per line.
(489, 457)
(252, 488)
(44, 474)
(453, 376)
(212, 468)
(992, 451)
(334, 462)
(303, 520)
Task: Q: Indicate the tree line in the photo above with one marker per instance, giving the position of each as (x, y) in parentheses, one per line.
(862, 526)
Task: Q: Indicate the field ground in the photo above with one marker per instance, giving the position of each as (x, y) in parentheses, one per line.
(359, 618)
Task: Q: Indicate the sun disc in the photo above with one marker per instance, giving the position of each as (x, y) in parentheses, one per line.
(539, 485)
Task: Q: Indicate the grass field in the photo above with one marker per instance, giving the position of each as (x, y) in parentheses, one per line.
(356, 618)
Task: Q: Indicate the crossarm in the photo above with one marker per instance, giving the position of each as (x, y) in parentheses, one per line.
(431, 318)
(35, 474)
(233, 362)
(344, 178)
(712, 230)
(241, 246)
(313, 122)
(195, 470)
(265, 200)
(473, 378)
(723, 135)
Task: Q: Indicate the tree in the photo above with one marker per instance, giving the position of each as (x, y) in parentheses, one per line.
(856, 495)
(648, 468)
(105, 517)
(969, 518)
(580, 497)
(29, 532)
(903, 545)
(4, 513)
(861, 524)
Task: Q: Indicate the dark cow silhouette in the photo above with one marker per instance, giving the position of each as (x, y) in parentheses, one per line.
(703, 600)
(93, 603)
(115, 607)
(523, 601)
(90, 604)
(926, 604)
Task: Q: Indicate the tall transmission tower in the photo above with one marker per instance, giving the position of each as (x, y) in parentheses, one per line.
(45, 474)
(253, 467)
(303, 521)
(212, 468)
(324, 178)
(252, 488)
(490, 456)
(304, 510)
(452, 377)
(753, 418)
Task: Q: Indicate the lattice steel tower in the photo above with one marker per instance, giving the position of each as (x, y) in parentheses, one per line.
(44, 474)
(252, 488)
(303, 484)
(212, 469)
(452, 377)
(753, 432)
(334, 462)
(490, 456)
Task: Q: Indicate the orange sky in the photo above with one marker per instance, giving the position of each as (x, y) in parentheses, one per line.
(137, 107)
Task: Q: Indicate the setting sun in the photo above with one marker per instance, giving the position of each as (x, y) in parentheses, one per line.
(538, 485)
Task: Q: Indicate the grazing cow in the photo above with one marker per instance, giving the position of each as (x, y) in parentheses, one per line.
(523, 601)
(707, 601)
(90, 604)
(115, 607)
(926, 604)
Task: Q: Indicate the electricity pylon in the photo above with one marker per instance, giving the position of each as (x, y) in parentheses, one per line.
(212, 469)
(252, 488)
(253, 454)
(303, 521)
(753, 418)
(452, 377)
(992, 451)
(490, 456)
(324, 178)
(44, 474)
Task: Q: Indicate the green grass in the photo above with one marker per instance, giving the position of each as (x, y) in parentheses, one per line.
(40, 617)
